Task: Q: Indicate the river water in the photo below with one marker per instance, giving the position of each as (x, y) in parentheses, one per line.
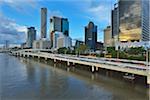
(30, 79)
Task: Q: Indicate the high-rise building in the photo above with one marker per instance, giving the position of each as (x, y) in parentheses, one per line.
(65, 26)
(43, 22)
(115, 23)
(91, 36)
(134, 20)
(145, 20)
(58, 24)
(31, 36)
(108, 40)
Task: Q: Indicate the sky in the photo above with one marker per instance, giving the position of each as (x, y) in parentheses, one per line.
(17, 15)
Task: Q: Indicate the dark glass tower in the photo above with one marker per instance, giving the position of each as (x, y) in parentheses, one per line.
(31, 36)
(91, 36)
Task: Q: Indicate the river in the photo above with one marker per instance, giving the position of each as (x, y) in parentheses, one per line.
(31, 79)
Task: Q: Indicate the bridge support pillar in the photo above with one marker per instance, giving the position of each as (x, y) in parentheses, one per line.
(73, 63)
(93, 69)
(68, 64)
(45, 58)
(54, 60)
(96, 69)
(68, 69)
(148, 79)
(38, 57)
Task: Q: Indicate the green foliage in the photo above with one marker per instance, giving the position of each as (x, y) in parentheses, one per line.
(133, 53)
(100, 55)
(110, 49)
(81, 49)
(134, 57)
(62, 50)
(135, 50)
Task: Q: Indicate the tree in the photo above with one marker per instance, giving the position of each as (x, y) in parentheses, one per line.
(81, 49)
(62, 50)
(136, 50)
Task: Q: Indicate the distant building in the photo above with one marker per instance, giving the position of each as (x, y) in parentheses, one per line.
(41, 44)
(123, 46)
(55, 39)
(43, 22)
(64, 41)
(91, 36)
(99, 46)
(108, 40)
(24, 45)
(31, 36)
(6, 44)
(78, 43)
(58, 24)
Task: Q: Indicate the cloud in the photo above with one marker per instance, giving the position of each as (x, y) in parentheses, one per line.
(55, 13)
(22, 6)
(11, 31)
(98, 11)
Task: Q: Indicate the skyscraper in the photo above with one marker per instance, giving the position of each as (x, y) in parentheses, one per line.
(31, 36)
(65, 26)
(145, 20)
(58, 24)
(115, 23)
(134, 20)
(43, 22)
(91, 36)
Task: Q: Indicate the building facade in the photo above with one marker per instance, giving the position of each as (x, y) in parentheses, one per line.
(145, 20)
(64, 41)
(108, 40)
(58, 24)
(43, 22)
(65, 26)
(31, 36)
(134, 20)
(115, 23)
(55, 38)
(41, 44)
(78, 43)
(91, 36)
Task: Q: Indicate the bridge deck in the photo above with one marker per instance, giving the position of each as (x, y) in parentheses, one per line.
(116, 66)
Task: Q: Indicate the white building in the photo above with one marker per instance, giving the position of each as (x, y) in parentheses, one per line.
(41, 44)
(120, 45)
(61, 40)
(64, 41)
(55, 37)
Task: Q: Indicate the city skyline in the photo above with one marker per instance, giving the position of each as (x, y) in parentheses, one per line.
(83, 12)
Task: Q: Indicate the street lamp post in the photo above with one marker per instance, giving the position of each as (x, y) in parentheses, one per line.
(147, 55)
